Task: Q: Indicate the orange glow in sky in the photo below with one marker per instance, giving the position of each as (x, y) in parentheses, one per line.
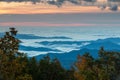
(39, 8)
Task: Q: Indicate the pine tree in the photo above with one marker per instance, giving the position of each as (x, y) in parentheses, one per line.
(11, 66)
(105, 67)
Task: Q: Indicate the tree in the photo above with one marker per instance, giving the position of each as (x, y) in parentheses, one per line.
(51, 69)
(11, 66)
(105, 67)
(111, 63)
(80, 67)
(84, 66)
(32, 68)
(48, 69)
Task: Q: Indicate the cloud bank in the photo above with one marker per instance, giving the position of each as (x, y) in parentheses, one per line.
(53, 2)
(102, 4)
(60, 2)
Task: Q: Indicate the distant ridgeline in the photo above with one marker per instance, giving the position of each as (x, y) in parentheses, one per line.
(31, 36)
(68, 58)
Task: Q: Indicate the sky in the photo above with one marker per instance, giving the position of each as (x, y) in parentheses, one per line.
(59, 13)
(30, 7)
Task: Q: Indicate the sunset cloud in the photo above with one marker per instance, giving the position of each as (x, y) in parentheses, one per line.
(45, 24)
(38, 24)
(40, 8)
(57, 6)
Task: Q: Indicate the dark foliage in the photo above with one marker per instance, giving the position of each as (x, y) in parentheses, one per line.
(16, 66)
(105, 67)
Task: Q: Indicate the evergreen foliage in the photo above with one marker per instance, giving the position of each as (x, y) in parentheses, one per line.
(11, 66)
(106, 67)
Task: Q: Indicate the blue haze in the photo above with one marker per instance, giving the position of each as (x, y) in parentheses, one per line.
(66, 43)
(63, 39)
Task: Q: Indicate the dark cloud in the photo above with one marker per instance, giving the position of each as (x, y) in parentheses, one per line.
(53, 2)
(111, 7)
(57, 3)
(114, 0)
(34, 1)
(114, 7)
(74, 1)
(60, 2)
(89, 0)
(102, 7)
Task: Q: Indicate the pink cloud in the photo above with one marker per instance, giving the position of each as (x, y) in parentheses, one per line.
(42, 24)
